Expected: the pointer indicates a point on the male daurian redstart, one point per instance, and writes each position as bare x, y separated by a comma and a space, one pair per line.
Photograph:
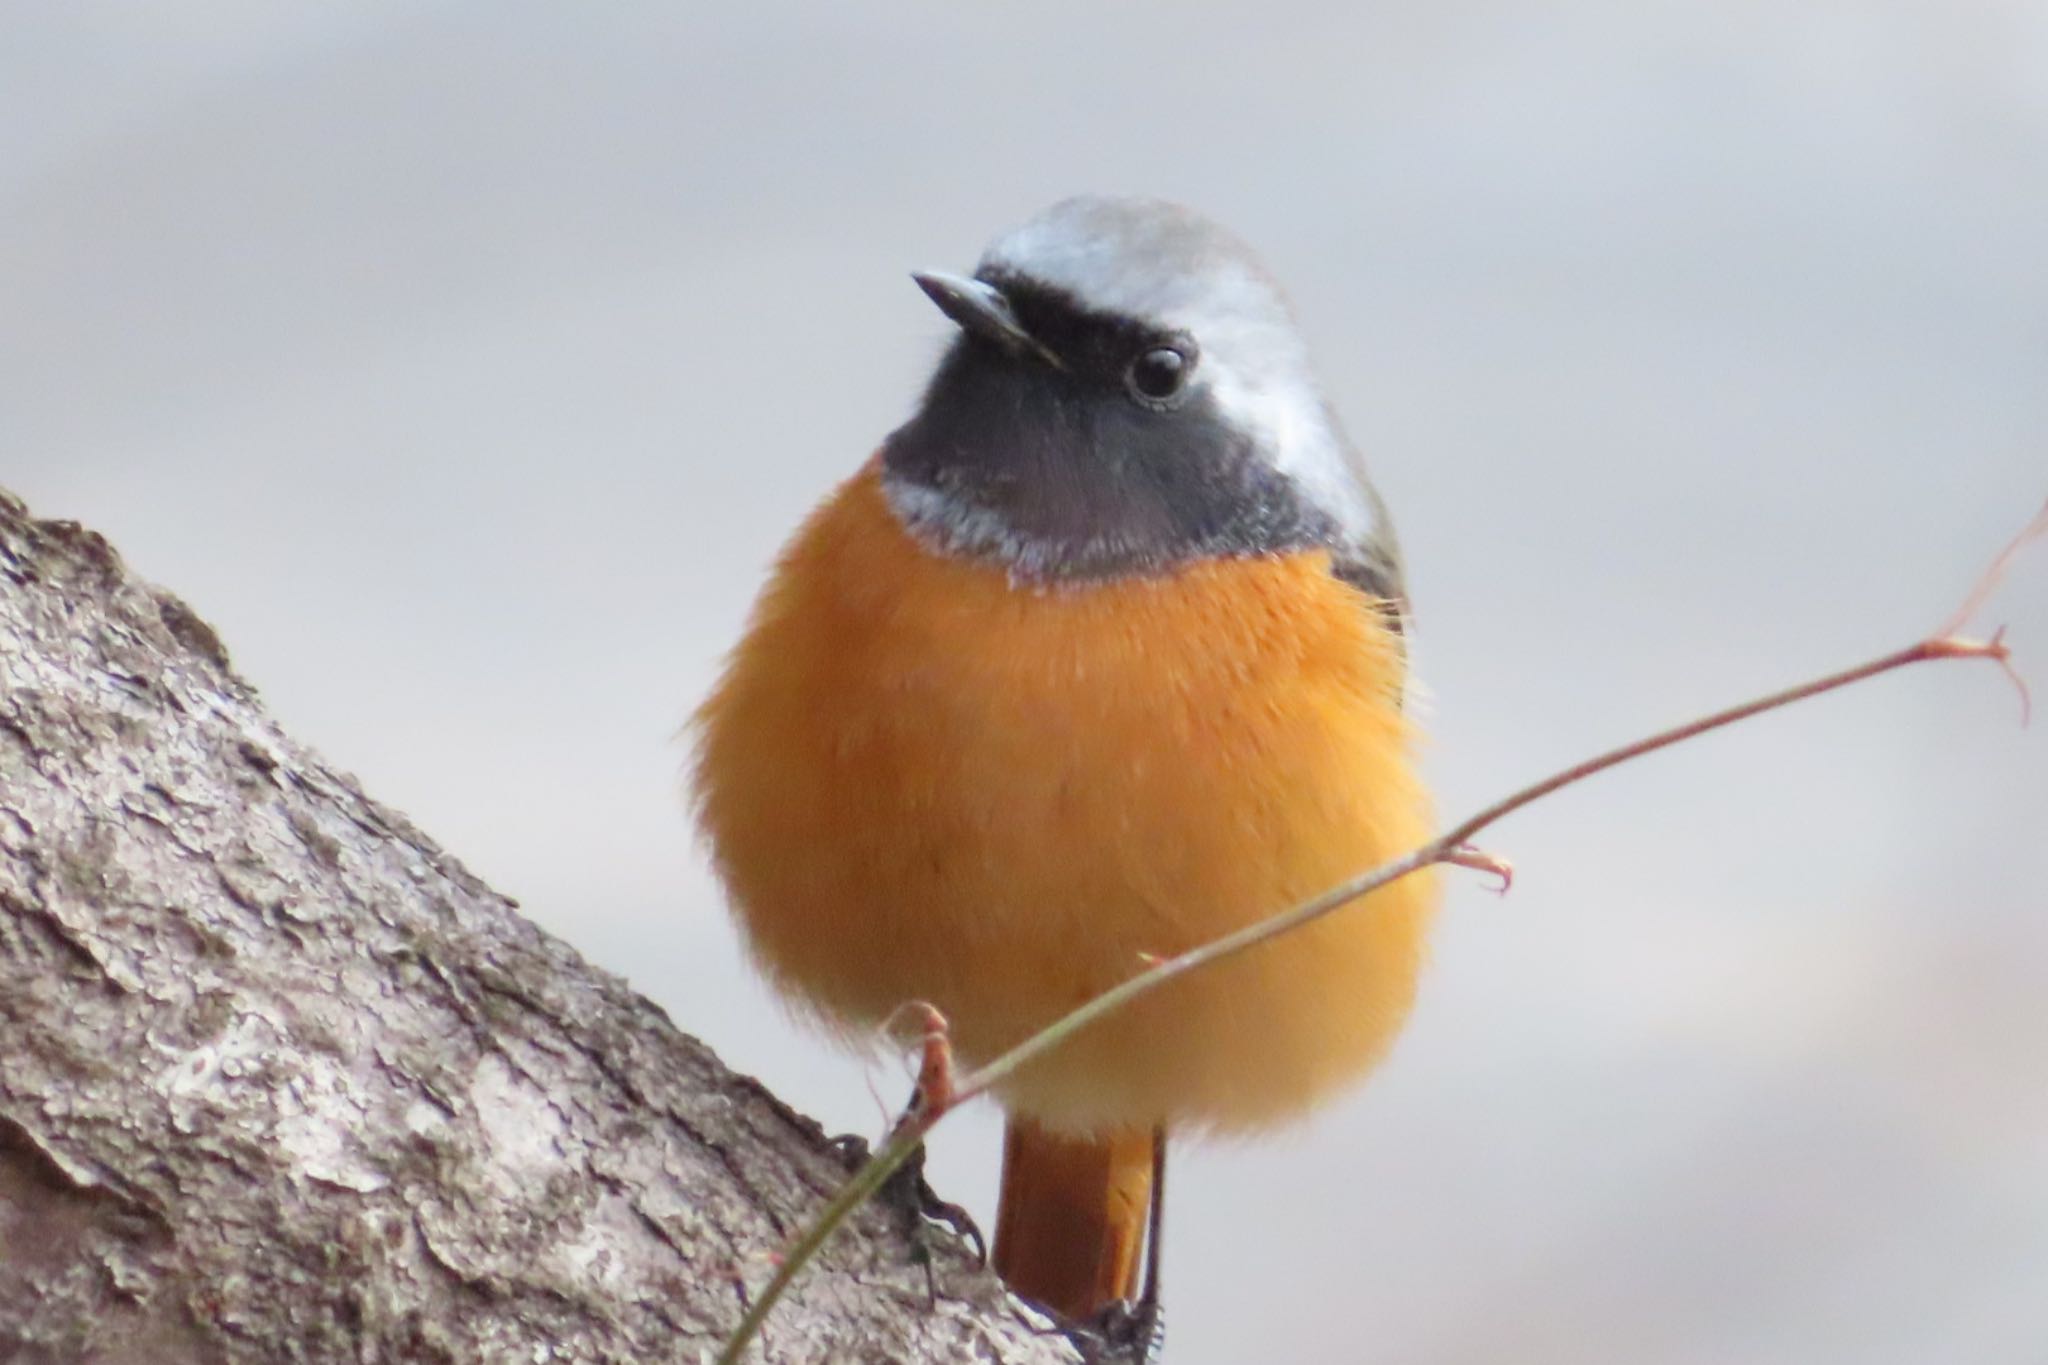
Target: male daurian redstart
1098, 658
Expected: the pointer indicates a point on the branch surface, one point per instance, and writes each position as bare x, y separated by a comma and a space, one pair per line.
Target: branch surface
281, 1081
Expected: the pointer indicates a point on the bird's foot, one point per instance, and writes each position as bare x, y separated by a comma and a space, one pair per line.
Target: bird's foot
1124, 1333
908, 1192
917, 1206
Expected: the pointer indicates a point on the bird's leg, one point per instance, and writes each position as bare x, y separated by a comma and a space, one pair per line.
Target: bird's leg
917, 1205
906, 1190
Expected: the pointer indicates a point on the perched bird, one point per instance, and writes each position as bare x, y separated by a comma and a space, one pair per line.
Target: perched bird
1100, 657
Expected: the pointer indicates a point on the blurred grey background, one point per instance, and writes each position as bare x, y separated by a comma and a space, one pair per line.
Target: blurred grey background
464, 364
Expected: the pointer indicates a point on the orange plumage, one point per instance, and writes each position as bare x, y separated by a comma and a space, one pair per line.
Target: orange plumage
923, 781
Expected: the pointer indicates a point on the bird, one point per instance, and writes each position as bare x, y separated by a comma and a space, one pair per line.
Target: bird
1101, 655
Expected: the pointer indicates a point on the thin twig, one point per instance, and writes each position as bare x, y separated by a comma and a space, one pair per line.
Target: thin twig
851, 1196
1447, 847
1454, 846
935, 1094
1988, 581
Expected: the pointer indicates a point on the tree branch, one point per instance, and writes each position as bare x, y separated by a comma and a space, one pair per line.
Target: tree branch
281, 1081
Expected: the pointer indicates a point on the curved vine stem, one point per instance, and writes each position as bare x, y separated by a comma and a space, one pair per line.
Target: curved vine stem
940, 1090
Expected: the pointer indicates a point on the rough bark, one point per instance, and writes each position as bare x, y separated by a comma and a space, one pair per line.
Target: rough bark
281, 1081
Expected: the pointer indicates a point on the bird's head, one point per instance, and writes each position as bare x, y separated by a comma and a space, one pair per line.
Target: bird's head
1129, 392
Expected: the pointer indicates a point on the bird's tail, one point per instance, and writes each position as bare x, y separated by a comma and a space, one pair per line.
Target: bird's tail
1070, 1226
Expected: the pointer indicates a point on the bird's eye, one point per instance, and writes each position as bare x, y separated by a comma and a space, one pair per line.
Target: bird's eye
1158, 375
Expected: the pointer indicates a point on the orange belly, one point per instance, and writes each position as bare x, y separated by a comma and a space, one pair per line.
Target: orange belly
921, 782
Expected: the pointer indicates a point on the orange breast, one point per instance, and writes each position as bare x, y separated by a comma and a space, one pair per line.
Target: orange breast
921, 782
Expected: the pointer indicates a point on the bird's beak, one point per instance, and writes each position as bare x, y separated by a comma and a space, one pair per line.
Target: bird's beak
982, 311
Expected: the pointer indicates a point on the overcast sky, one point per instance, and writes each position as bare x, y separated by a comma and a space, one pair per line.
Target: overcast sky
465, 363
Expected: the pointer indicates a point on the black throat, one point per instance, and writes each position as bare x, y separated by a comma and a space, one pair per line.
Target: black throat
1059, 474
